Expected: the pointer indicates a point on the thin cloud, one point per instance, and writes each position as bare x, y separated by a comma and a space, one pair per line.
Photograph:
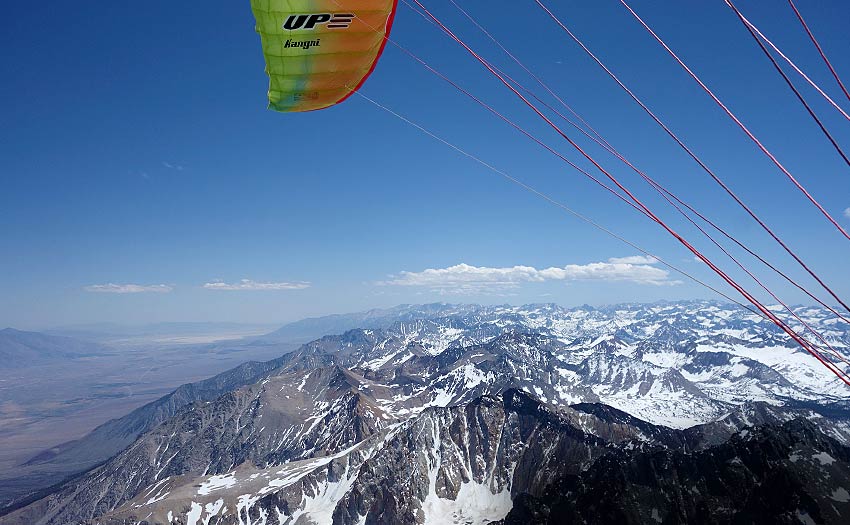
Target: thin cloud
129, 288
847, 213
249, 285
171, 166
634, 259
464, 279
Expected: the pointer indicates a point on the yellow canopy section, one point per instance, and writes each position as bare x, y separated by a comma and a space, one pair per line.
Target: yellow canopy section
319, 52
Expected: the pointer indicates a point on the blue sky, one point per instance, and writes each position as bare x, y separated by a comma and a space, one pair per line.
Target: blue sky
137, 155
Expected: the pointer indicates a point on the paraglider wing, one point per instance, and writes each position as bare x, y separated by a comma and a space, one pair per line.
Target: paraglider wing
319, 52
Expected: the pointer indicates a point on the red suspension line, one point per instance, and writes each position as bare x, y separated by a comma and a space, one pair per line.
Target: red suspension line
694, 156
801, 341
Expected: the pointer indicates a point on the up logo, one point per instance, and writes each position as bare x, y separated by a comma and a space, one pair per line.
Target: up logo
309, 22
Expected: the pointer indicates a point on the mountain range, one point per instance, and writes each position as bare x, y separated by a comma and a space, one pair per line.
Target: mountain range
474, 414
19, 348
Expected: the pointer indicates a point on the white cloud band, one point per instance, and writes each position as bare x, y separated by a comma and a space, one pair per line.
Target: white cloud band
467, 279
128, 288
249, 285
633, 259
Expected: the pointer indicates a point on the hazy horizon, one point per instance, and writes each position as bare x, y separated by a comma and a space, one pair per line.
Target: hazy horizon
201, 324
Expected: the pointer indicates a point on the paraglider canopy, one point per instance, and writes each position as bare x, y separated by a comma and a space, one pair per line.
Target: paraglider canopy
319, 52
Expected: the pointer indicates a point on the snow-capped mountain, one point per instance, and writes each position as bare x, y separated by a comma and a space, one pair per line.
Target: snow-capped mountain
450, 413
676, 364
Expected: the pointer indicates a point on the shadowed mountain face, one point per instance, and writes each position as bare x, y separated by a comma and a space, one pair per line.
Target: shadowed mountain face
789, 473
456, 417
